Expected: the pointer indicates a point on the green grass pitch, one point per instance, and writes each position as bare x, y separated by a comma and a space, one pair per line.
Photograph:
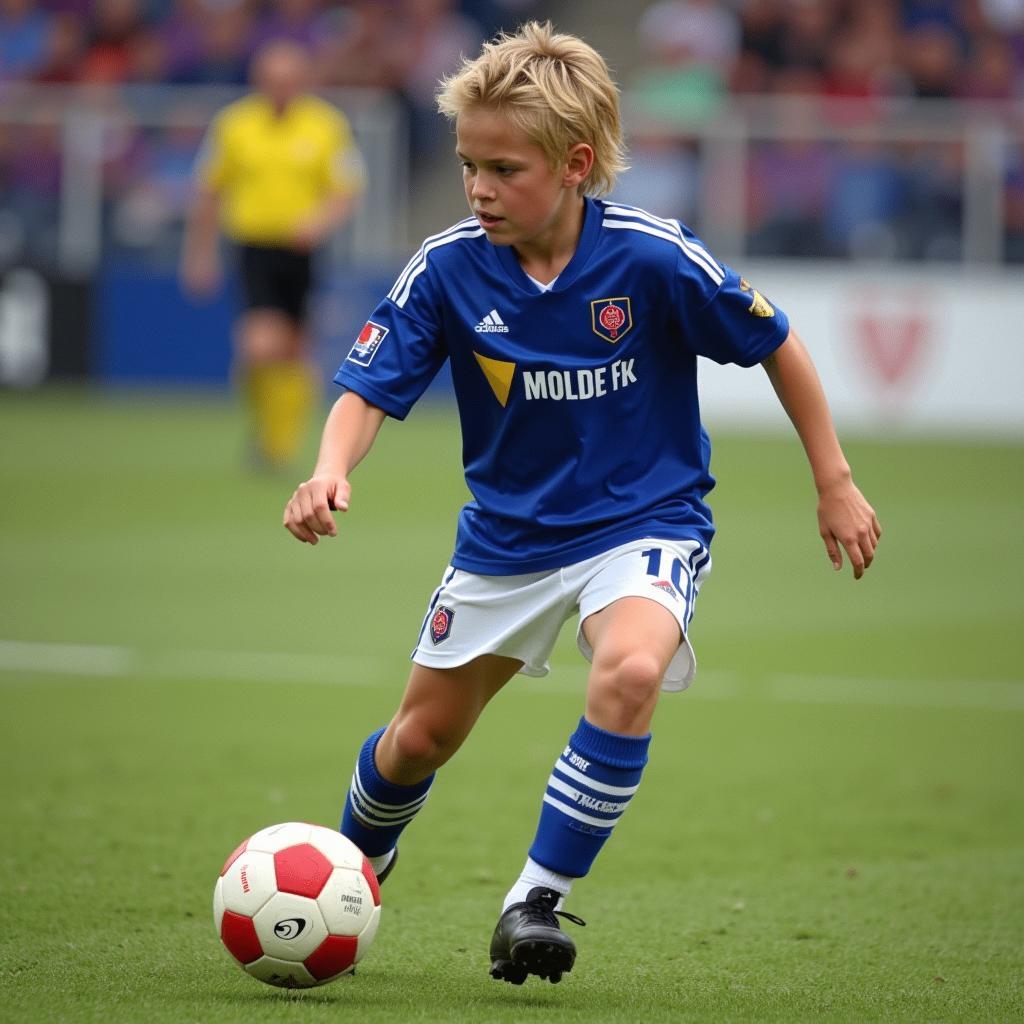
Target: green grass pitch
831, 826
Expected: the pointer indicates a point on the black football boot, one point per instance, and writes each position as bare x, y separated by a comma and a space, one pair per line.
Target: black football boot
529, 940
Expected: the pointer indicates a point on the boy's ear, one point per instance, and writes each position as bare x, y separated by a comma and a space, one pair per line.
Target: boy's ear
578, 165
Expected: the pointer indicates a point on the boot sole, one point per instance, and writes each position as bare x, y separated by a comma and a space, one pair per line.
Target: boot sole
547, 960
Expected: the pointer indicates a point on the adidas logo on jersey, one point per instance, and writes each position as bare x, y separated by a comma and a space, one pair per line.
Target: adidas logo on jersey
491, 324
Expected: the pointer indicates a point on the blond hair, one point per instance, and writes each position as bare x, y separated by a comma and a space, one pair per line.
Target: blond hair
553, 87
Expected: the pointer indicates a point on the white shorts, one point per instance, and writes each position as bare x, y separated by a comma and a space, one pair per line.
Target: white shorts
521, 616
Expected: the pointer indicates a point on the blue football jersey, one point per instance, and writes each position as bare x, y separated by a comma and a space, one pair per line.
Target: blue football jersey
580, 421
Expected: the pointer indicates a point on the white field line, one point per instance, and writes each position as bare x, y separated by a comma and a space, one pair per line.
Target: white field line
104, 661
242, 666
69, 659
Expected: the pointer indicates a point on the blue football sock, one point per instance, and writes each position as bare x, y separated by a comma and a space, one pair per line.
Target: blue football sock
588, 791
376, 810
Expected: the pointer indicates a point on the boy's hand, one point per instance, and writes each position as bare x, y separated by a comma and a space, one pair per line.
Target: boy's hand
846, 520
307, 516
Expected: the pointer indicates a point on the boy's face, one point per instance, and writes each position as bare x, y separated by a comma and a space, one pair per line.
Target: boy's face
517, 196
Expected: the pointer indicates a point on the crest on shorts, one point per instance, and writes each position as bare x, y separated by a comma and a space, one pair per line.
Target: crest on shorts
367, 343
611, 318
441, 624
666, 586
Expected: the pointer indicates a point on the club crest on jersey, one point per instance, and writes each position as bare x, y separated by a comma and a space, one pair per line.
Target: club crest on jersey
367, 343
441, 624
611, 318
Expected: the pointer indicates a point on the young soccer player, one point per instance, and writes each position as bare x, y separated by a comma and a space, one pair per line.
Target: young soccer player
572, 326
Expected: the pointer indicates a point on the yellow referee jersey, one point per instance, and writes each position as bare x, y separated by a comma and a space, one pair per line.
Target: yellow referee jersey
273, 170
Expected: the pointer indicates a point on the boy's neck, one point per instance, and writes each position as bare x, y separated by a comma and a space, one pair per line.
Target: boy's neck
546, 257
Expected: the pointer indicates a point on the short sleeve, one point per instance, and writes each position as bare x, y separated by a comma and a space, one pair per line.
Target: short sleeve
397, 353
722, 315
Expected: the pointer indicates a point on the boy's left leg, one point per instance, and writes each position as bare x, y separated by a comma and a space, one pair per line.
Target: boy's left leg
633, 639
396, 765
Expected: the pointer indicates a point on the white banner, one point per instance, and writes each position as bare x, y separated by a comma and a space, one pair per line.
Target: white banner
937, 352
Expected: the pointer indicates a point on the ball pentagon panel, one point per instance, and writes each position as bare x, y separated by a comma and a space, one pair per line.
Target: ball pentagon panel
302, 870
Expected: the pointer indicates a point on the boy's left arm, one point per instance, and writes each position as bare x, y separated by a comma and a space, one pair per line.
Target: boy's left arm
845, 519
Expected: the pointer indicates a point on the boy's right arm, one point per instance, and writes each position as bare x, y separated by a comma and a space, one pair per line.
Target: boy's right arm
349, 433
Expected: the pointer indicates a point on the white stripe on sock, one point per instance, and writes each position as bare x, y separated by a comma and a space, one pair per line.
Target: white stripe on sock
577, 797
571, 812
602, 787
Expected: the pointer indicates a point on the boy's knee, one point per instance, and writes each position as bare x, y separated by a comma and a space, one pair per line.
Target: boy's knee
623, 686
414, 744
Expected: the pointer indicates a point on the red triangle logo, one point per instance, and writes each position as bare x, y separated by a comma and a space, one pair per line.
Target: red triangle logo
893, 345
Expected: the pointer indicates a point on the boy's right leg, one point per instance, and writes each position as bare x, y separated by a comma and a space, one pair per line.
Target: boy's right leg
396, 765
633, 640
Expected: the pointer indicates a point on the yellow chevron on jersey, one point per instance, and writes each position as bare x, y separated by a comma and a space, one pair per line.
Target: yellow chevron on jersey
499, 375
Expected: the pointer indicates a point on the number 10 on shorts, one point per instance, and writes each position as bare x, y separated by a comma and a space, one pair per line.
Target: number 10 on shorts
654, 558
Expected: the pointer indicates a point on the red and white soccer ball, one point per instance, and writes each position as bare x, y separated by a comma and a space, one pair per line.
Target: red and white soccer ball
297, 905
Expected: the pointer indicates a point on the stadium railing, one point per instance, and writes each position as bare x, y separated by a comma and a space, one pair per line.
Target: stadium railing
89, 171
85, 171
908, 179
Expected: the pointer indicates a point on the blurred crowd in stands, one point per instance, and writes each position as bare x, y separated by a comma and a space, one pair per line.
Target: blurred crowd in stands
806, 194
966, 49
392, 44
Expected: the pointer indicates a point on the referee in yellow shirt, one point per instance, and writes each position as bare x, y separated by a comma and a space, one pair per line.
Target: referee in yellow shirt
278, 172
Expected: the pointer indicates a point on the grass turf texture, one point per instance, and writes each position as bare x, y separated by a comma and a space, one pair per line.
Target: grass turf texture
831, 826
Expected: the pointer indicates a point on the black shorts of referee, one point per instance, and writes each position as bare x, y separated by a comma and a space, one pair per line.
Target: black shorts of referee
276, 278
